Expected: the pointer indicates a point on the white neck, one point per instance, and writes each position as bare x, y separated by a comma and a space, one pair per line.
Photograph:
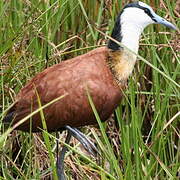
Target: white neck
124, 62
131, 35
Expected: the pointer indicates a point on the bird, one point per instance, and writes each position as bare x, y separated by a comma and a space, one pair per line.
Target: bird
102, 72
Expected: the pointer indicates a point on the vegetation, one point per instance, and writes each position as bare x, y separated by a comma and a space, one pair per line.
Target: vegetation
141, 140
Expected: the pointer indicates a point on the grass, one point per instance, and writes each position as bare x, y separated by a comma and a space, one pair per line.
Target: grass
141, 140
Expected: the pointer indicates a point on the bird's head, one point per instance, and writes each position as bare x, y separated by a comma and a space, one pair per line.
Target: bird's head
142, 15
131, 22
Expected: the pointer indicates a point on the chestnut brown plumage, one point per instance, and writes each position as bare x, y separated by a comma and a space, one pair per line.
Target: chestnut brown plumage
103, 72
89, 71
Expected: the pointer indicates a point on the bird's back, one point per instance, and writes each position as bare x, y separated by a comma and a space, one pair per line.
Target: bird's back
73, 78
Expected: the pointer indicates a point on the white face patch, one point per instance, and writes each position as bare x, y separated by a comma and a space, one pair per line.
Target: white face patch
136, 16
148, 7
133, 21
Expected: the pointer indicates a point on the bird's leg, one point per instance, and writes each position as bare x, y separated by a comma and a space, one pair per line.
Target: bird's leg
60, 158
87, 144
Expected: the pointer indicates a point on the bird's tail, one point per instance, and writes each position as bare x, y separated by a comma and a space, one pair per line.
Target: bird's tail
9, 117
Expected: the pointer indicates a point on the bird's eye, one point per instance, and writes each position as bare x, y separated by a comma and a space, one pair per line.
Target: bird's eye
146, 11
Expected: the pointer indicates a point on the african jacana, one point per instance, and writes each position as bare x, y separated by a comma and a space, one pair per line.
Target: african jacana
103, 71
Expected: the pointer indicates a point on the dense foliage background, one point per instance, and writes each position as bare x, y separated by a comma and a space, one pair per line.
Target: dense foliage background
141, 139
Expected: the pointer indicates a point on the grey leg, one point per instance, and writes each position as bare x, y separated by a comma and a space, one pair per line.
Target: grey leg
60, 159
87, 144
